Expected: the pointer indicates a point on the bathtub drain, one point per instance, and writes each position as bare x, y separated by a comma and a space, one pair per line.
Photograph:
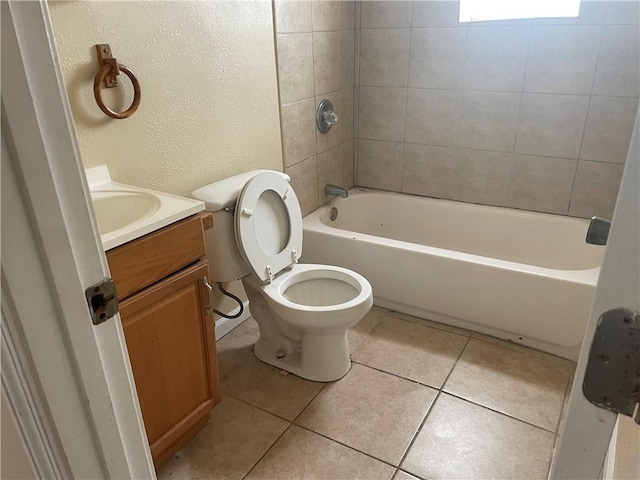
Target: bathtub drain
333, 214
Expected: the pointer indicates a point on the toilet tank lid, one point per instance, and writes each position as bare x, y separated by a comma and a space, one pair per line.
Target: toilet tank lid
224, 193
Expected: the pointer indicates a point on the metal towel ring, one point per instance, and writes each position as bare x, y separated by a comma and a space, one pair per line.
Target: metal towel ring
97, 91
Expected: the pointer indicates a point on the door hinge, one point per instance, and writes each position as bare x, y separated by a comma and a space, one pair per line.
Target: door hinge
102, 300
612, 377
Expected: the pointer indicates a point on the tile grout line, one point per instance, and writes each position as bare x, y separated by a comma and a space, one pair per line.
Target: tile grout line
266, 451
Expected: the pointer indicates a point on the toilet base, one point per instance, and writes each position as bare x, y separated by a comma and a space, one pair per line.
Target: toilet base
322, 358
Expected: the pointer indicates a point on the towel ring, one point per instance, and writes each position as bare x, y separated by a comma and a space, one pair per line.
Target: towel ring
97, 91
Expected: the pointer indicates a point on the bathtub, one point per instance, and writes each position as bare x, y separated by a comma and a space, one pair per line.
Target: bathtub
523, 276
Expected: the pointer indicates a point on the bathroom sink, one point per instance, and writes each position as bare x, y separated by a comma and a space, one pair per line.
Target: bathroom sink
125, 212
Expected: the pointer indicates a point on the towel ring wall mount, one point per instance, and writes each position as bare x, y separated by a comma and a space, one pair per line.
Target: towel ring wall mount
109, 69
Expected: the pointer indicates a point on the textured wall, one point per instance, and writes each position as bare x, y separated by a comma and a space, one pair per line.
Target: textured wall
209, 89
315, 49
531, 114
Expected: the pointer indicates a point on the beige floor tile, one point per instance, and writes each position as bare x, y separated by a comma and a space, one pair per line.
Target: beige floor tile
251, 323
371, 411
524, 386
400, 475
521, 348
300, 453
463, 440
267, 387
430, 323
235, 439
357, 333
235, 346
411, 350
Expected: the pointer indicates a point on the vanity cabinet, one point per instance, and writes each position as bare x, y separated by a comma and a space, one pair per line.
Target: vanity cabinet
169, 330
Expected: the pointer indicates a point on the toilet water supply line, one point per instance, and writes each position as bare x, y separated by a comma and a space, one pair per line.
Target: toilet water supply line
228, 294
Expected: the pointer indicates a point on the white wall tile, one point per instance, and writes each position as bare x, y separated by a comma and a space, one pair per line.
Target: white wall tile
551, 125
384, 57
496, 58
609, 128
596, 189
541, 184
292, 16
618, 72
327, 61
562, 59
488, 120
436, 13
298, 131
380, 164
480, 177
395, 14
381, 113
592, 12
626, 12
326, 15
295, 67
431, 117
436, 57
426, 170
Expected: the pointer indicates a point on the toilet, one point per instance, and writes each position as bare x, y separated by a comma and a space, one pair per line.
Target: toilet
303, 311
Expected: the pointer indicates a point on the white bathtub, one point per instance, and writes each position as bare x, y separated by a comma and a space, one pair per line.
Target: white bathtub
525, 276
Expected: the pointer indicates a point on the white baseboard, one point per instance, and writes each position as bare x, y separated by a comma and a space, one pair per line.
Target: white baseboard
225, 325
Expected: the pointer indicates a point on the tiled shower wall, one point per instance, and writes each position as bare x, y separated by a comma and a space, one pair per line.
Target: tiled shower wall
531, 114
315, 44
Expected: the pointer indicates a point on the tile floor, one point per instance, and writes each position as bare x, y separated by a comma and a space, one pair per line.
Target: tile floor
422, 400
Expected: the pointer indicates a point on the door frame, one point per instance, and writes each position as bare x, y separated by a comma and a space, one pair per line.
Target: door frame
585, 434
68, 383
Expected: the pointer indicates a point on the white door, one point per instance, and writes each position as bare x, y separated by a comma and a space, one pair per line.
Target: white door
67, 383
586, 430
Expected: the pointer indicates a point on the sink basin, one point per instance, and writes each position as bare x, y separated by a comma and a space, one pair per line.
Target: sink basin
125, 212
117, 209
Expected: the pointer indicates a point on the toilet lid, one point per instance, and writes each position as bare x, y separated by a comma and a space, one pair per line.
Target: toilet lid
268, 225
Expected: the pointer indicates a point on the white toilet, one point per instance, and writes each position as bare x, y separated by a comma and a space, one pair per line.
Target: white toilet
303, 311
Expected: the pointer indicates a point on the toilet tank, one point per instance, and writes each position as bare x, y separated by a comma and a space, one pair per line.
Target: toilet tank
225, 260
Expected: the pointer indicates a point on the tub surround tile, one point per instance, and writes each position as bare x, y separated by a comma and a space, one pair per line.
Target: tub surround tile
412, 351
330, 170
618, 71
496, 58
436, 57
623, 13
348, 59
562, 59
382, 113
268, 388
460, 440
426, 170
347, 164
595, 189
326, 15
384, 57
300, 453
380, 164
488, 121
346, 411
431, 117
541, 183
361, 330
334, 138
233, 441
609, 127
394, 14
292, 16
348, 15
298, 131
551, 125
304, 179
347, 115
435, 13
327, 61
480, 177
295, 67
526, 387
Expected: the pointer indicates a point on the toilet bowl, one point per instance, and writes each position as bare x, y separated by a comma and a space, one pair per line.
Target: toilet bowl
303, 311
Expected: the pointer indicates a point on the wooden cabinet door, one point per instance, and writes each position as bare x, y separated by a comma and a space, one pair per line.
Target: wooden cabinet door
171, 342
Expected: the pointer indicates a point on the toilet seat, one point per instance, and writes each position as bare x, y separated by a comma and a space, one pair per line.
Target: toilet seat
268, 223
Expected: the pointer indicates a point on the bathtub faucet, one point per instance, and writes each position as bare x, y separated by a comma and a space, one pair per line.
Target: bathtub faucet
335, 190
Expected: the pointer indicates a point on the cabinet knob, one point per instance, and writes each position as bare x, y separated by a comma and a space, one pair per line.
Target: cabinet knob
205, 282
207, 310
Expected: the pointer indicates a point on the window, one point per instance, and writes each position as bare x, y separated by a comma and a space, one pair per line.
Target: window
483, 10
